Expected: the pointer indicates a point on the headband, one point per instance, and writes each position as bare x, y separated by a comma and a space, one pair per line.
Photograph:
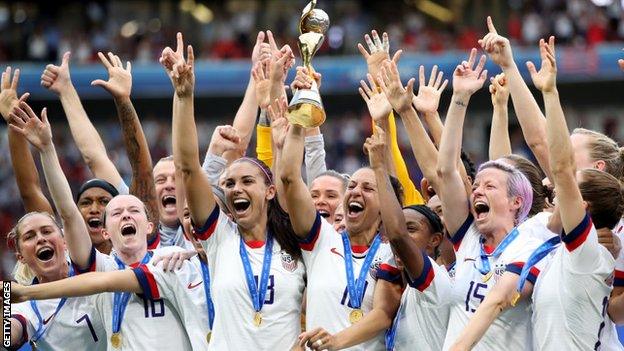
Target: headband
97, 183
432, 217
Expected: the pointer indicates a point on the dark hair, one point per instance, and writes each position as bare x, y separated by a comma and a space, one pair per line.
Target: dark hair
343, 178
469, 165
535, 176
278, 221
435, 223
604, 196
397, 187
97, 183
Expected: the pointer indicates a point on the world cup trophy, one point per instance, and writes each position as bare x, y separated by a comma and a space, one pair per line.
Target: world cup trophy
306, 107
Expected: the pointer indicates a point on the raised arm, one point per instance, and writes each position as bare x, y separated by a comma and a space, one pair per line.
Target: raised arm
281, 61
197, 186
500, 145
467, 79
562, 164
392, 216
26, 174
529, 115
86, 137
428, 100
119, 85
401, 99
279, 128
39, 134
86, 284
298, 199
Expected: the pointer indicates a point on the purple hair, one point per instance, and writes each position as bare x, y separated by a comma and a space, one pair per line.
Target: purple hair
517, 185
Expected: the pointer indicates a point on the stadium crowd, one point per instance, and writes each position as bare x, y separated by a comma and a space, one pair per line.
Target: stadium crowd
39, 31
312, 238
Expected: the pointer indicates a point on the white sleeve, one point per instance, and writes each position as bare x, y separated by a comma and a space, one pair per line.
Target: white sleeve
214, 166
123, 188
26, 317
211, 233
582, 250
317, 239
314, 157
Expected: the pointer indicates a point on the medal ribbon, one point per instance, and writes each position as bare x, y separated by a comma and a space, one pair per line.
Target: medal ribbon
33, 304
206, 275
485, 262
535, 257
120, 300
356, 288
391, 332
257, 297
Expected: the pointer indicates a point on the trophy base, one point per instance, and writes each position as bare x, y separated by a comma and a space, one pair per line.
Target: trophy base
306, 108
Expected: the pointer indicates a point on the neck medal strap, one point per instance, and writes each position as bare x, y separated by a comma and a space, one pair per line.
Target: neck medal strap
210, 305
41, 329
120, 302
356, 288
535, 257
485, 269
257, 293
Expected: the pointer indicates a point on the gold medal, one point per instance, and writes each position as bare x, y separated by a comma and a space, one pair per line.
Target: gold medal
355, 316
116, 340
515, 299
257, 319
487, 277
208, 336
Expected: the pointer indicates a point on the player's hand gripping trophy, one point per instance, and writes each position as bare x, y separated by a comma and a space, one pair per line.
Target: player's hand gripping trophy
306, 108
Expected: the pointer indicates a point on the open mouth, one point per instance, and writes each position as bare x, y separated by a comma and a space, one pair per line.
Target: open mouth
241, 205
355, 208
128, 229
169, 200
481, 209
323, 213
45, 254
94, 223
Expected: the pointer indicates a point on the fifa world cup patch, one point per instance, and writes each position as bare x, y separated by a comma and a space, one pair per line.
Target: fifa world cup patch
288, 262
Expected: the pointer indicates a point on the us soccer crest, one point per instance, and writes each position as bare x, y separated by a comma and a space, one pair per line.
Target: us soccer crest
288, 262
372, 271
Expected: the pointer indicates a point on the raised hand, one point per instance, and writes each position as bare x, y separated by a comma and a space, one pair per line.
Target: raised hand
179, 70
224, 138
56, 78
499, 90
119, 83
36, 131
390, 82
303, 80
375, 147
467, 78
497, 46
279, 123
428, 98
260, 74
261, 51
378, 52
8, 93
281, 62
378, 105
621, 64
546, 79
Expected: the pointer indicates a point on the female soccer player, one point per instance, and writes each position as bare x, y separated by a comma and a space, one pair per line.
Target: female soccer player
338, 299
39, 244
483, 227
415, 234
254, 261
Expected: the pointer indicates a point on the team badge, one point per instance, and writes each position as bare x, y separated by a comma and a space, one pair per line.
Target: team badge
288, 262
372, 271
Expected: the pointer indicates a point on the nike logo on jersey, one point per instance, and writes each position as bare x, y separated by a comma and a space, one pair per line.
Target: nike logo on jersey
193, 286
49, 318
334, 251
469, 259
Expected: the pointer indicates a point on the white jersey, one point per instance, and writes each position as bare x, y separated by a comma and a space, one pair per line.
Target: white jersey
234, 327
75, 327
536, 227
166, 237
184, 289
425, 307
571, 296
328, 304
609, 340
511, 330
148, 324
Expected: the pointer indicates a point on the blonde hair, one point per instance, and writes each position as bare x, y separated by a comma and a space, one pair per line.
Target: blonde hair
23, 274
603, 148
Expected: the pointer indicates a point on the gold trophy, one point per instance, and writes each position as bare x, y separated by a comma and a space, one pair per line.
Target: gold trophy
306, 107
